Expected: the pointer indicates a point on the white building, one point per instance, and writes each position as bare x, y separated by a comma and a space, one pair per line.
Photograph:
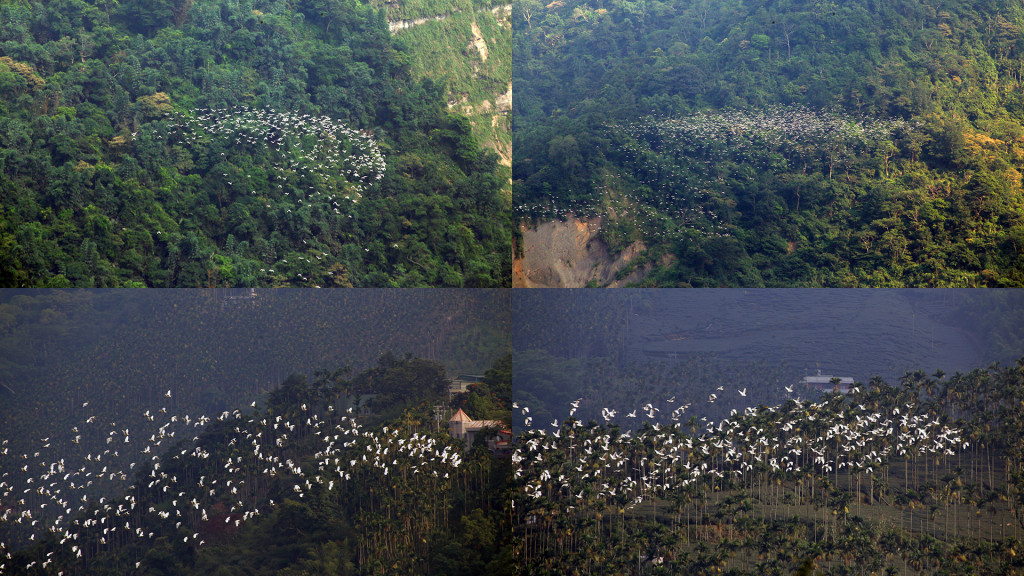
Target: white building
824, 383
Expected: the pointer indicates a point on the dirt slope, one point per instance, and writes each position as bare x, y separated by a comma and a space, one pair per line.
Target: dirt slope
570, 255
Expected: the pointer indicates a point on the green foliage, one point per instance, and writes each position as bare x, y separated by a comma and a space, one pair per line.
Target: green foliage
675, 498
95, 193
412, 9
468, 50
489, 400
934, 203
396, 383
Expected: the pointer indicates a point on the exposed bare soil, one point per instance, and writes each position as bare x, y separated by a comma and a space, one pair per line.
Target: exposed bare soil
569, 254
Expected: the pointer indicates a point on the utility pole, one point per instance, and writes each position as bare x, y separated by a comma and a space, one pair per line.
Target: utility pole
440, 411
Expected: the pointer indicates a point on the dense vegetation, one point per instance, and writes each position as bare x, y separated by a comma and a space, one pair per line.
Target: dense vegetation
579, 361
301, 485
754, 143
346, 473
470, 52
922, 478
414, 9
100, 187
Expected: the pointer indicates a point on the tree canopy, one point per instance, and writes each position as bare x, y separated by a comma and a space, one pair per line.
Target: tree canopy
754, 143
186, 144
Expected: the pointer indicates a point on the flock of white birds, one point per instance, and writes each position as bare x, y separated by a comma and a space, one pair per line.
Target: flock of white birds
574, 464
307, 146
750, 135
569, 463
54, 496
684, 186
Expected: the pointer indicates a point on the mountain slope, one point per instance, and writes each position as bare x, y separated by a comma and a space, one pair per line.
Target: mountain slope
467, 47
749, 143
215, 143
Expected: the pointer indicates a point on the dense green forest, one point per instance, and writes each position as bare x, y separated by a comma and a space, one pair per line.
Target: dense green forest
235, 143
796, 143
312, 481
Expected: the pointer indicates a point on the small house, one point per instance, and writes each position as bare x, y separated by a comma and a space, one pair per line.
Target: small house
461, 383
464, 428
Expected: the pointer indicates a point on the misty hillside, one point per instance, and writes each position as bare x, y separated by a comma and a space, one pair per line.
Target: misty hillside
919, 476
218, 349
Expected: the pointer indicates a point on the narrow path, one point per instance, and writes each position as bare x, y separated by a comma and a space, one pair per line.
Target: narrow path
398, 25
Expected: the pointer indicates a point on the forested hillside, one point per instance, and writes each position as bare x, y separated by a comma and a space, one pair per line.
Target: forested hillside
218, 349
753, 143
235, 143
629, 347
467, 47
